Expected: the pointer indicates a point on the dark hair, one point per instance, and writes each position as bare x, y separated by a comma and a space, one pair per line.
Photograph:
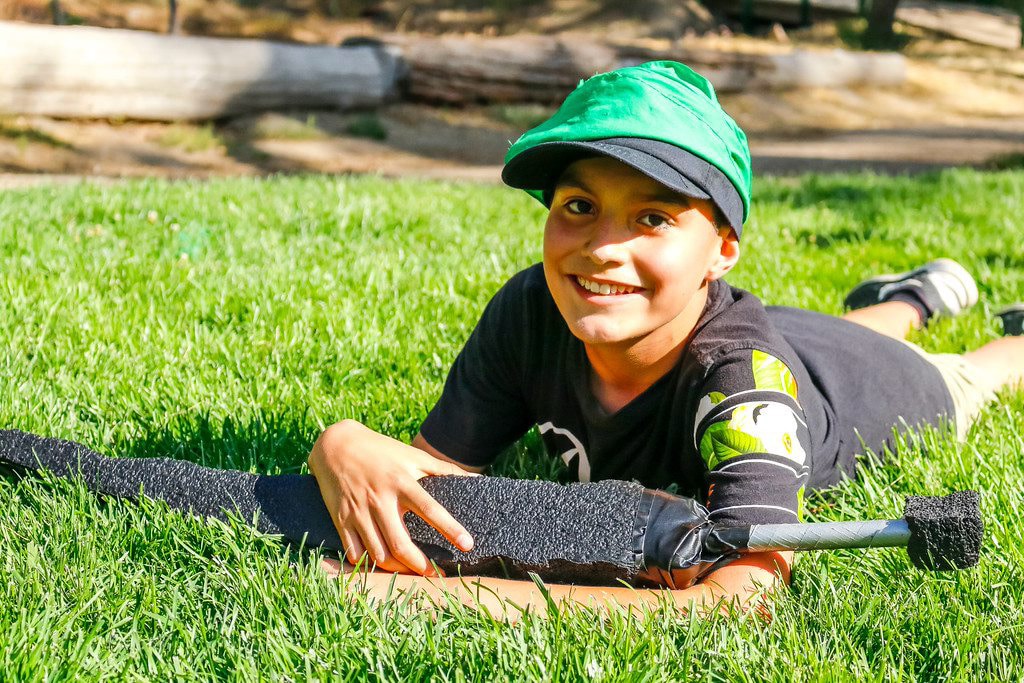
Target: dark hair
718, 218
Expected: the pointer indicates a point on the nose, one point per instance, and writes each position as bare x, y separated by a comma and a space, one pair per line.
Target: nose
607, 242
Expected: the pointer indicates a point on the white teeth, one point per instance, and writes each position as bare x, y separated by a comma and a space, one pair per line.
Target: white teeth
604, 288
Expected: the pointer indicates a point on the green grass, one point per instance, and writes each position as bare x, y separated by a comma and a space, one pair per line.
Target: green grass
23, 134
228, 322
190, 137
282, 127
521, 116
367, 126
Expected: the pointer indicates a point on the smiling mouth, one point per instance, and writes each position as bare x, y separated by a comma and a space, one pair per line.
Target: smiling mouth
603, 288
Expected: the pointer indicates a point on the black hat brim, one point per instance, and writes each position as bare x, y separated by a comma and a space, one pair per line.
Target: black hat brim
539, 168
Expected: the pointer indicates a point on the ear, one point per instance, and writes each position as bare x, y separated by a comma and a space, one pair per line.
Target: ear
727, 256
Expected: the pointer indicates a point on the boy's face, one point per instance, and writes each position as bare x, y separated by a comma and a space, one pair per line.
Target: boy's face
647, 250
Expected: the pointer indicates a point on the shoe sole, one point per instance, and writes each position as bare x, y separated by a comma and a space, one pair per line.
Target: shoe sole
866, 293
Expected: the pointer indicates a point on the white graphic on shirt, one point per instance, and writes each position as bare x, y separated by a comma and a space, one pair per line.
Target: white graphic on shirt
576, 450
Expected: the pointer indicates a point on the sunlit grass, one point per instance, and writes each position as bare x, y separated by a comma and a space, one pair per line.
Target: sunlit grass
190, 137
228, 322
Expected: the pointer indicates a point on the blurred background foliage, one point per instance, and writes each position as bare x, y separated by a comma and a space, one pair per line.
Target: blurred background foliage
331, 21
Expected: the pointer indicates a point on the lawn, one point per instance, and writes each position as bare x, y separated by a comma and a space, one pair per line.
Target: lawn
228, 322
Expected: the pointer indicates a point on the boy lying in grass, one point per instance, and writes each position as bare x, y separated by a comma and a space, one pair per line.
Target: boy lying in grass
635, 360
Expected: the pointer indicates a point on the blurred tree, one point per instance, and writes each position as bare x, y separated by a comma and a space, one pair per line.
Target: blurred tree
330, 8
172, 16
879, 33
57, 12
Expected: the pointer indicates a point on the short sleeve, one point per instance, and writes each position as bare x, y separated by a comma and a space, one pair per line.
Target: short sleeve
482, 409
752, 436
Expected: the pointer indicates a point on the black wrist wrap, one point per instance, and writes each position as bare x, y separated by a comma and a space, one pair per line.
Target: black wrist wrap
676, 531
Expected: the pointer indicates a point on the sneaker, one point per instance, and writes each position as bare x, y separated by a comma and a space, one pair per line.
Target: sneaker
943, 285
1013, 319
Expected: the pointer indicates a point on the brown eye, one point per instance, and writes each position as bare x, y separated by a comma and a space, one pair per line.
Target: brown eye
579, 206
653, 220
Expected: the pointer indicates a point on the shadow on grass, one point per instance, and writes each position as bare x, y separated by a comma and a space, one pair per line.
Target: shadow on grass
1006, 162
826, 240
269, 443
27, 135
1001, 259
280, 444
899, 164
276, 443
527, 459
821, 190
264, 443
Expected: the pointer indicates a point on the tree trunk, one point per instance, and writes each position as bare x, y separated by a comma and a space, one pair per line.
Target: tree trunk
172, 16
56, 12
95, 73
88, 72
460, 70
879, 34
993, 26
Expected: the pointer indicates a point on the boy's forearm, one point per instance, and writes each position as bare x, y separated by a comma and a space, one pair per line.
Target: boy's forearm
504, 598
509, 599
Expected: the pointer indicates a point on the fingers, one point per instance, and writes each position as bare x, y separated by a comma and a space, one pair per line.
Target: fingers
376, 547
386, 550
402, 546
383, 534
353, 545
434, 514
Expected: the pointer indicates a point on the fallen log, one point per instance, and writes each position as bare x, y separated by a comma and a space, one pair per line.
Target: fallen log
992, 26
983, 25
78, 72
82, 72
460, 70
789, 12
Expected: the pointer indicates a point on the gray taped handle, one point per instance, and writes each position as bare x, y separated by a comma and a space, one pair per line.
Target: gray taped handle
882, 533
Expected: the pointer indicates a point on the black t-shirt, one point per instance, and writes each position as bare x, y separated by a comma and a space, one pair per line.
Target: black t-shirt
762, 404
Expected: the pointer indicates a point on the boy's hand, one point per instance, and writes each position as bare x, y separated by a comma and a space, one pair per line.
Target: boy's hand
368, 482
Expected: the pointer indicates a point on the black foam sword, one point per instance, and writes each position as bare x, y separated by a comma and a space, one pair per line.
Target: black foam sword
598, 533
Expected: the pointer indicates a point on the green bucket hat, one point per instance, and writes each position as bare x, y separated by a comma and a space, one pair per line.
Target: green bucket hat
662, 118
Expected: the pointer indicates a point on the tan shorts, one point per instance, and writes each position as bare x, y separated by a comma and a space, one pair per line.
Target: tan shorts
970, 387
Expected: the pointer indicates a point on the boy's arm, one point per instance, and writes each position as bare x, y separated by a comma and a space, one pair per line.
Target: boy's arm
421, 443
754, 439
745, 583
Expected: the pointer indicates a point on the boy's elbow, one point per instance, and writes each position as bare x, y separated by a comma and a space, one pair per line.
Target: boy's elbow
751, 582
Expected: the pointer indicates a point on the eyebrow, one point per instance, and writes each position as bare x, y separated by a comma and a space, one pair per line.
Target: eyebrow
570, 179
666, 196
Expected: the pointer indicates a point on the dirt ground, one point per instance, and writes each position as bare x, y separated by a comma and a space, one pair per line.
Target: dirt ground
961, 105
